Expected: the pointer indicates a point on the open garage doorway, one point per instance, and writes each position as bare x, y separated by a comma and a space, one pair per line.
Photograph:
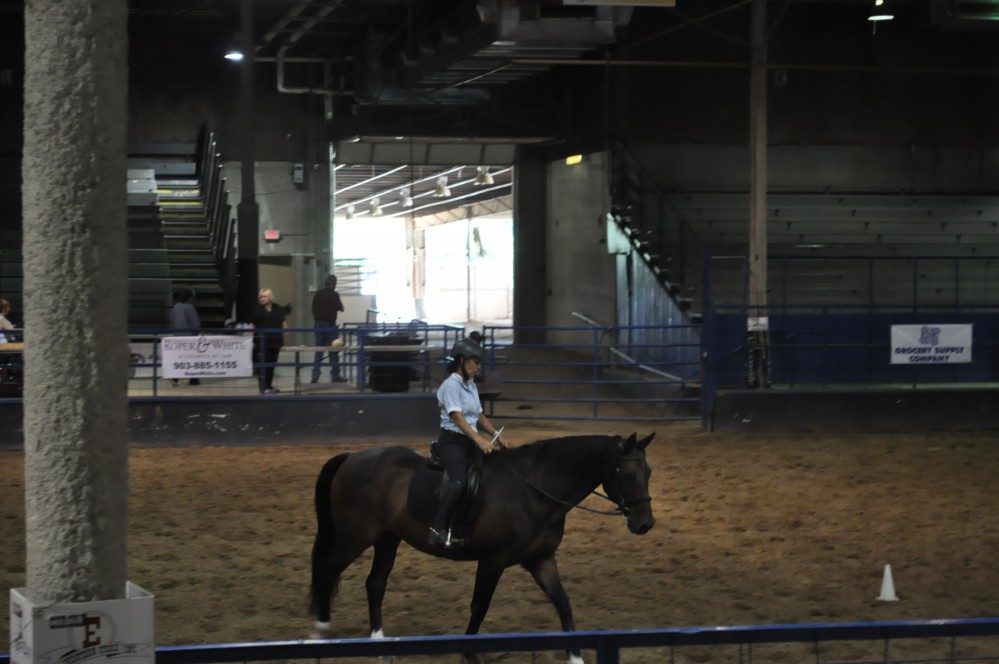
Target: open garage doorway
468, 270
424, 226
456, 272
426, 242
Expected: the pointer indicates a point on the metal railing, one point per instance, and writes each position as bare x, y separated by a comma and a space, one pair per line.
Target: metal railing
375, 357
895, 642
587, 372
221, 226
605, 372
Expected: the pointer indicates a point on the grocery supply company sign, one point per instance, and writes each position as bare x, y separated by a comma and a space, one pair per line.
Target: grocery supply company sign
931, 344
207, 356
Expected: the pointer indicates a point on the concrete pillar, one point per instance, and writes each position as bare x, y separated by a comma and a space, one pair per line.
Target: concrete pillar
530, 232
248, 212
75, 286
758, 371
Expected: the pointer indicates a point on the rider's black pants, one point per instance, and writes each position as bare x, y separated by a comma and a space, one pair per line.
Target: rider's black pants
453, 449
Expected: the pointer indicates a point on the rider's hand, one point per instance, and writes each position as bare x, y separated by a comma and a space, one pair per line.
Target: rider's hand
483, 444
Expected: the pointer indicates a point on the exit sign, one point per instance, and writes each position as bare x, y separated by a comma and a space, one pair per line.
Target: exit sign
272, 235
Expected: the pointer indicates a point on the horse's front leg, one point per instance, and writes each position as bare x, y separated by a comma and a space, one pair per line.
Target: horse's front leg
545, 572
487, 576
386, 547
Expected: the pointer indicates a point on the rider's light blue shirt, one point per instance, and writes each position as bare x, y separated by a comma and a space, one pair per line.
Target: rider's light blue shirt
455, 394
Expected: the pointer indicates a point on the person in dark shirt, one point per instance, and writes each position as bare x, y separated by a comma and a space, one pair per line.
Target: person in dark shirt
184, 318
269, 317
326, 304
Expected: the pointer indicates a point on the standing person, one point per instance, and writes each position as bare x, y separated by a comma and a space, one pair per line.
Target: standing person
5, 325
326, 304
184, 318
268, 316
461, 420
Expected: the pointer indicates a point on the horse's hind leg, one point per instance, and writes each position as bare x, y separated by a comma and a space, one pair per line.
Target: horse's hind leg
545, 573
327, 566
386, 547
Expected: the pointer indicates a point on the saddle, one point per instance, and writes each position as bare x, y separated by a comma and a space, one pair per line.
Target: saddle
425, 485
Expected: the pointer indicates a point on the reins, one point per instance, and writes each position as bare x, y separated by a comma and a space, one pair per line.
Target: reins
621, 507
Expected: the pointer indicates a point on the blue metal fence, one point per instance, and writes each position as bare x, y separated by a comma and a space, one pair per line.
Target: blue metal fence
742, 643
607, 372
830, 319
819, 349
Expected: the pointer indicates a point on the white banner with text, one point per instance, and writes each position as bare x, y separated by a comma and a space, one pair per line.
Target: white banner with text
228, 356
931, 344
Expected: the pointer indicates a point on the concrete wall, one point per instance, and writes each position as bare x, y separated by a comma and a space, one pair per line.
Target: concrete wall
260, 421
581, 274
296, 265
872, 411
299, 211
920, 167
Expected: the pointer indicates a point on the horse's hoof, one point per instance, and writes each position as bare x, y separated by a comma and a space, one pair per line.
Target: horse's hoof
575, 659
320, 630
469, 659
384, 659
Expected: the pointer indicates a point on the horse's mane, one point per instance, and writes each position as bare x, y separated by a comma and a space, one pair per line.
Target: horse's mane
565, 451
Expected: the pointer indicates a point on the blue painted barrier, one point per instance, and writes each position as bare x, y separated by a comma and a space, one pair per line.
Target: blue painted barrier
607, 644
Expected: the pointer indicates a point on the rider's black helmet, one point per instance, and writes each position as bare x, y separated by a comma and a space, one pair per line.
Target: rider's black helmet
467, 348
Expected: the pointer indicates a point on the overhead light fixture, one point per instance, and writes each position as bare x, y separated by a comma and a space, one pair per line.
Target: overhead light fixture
574, 159
441, 190
483, 176
350, 211
375, 207
234, 48
880, 12
405, 198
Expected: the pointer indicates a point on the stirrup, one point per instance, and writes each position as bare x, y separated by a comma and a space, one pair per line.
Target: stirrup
438, 537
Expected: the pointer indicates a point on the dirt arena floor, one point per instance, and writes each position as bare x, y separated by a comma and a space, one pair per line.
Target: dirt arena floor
751, 530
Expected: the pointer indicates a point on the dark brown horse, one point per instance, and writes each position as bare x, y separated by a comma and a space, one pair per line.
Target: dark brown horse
523, 498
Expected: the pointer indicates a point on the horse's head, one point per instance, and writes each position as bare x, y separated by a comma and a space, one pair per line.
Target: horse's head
628, 485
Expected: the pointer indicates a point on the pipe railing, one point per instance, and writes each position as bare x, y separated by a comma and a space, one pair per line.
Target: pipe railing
747, 643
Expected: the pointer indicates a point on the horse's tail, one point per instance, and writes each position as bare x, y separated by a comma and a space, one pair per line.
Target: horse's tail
324, 585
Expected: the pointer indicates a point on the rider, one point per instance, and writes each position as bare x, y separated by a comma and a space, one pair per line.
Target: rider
461, 420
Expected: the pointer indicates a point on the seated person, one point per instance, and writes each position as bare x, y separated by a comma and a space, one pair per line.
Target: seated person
6, 327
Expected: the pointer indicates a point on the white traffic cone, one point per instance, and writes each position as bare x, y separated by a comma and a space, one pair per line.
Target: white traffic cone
888, 587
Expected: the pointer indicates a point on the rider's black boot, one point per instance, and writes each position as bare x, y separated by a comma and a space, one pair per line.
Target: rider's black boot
450, 494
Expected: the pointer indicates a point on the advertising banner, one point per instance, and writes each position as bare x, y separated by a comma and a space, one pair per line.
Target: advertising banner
931, 344
224, 356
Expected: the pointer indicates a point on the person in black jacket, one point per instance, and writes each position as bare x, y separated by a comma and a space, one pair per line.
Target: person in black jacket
326, 304
270, 318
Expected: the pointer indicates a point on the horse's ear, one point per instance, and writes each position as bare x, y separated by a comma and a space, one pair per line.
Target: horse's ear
644, 442
630, 442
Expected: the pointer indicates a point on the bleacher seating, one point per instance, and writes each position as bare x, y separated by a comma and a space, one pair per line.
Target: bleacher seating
180, 253
170, 243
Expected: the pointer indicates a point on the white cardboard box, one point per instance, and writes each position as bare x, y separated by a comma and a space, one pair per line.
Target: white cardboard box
121, 630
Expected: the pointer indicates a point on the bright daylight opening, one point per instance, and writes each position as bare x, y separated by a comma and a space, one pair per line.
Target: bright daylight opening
464, 275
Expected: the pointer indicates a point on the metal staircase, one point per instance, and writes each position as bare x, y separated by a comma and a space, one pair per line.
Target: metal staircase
184, 191
642, 227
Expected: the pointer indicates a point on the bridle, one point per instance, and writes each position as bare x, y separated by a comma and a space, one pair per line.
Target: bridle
622, 505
